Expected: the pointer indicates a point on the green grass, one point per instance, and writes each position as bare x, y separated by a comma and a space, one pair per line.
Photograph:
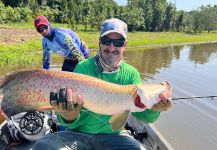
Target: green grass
20, 54
28, 25
24, 53
149, 38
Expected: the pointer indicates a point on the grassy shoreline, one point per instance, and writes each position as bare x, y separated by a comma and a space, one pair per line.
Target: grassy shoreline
18, 47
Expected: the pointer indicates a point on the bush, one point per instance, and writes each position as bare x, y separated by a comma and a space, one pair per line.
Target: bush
25, 14
2, 12
18, 14
48, 12
11, 15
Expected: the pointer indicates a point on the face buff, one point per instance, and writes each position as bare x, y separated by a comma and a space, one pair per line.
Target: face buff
103, 67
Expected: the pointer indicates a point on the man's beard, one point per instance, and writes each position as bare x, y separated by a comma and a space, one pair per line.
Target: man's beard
107, 63
110, 59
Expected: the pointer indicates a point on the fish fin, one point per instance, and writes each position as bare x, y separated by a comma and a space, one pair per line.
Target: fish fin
118, 120
45, 108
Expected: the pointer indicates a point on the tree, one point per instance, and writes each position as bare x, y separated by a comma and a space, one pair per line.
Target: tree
85, 13
12, 3
209, 15
134, 15
158, 7
148, 14
179, 21
197, 22
33, 5
169, 17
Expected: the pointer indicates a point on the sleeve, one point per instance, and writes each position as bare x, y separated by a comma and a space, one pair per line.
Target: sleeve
46, 56
74, 51
82, 45
84, 49
148, 115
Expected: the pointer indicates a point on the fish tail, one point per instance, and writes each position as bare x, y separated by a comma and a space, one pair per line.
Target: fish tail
3, 81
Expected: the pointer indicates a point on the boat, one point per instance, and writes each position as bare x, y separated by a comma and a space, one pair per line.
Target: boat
146, 134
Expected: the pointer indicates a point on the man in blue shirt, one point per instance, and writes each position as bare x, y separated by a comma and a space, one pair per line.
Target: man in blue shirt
61, 41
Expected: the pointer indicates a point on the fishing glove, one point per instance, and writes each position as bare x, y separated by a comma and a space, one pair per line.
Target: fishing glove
62, 104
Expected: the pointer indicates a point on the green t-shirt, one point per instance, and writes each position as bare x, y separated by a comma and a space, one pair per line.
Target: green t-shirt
93, 123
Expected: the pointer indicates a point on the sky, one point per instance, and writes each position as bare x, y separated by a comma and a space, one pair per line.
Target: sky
186, 5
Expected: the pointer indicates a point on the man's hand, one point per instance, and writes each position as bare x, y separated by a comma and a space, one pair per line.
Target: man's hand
67, 103
165, 100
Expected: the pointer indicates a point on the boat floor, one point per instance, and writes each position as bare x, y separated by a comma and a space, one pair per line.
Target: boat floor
153, 140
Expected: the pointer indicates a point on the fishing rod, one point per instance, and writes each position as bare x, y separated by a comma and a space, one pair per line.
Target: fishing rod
194, 97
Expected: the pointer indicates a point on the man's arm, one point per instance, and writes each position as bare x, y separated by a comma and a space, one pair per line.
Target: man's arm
82, 45
74, 51
84, 49
46, 56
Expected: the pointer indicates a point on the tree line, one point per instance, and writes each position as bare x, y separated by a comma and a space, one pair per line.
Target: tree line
140, 15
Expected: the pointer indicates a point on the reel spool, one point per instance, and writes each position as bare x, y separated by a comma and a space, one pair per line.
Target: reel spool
31, 123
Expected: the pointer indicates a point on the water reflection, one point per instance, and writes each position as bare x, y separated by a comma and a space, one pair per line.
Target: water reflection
203, 53
150, 61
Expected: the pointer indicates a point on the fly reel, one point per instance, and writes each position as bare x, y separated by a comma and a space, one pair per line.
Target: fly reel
31, 123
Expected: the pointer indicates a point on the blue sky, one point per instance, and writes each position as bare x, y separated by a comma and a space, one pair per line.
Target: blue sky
186, 5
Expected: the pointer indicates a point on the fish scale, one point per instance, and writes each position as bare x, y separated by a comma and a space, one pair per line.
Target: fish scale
30, 89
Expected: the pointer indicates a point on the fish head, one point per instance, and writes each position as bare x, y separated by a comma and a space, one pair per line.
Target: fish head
149, 95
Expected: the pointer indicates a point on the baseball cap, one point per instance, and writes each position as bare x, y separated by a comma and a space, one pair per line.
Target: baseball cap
40, 20
113, 25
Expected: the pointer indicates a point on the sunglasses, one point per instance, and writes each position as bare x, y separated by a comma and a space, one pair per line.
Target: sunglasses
116, 42
42, 28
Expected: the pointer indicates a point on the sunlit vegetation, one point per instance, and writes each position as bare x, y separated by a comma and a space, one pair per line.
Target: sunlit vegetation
151, 23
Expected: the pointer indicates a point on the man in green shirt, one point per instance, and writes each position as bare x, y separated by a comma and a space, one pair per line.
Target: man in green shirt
89, 130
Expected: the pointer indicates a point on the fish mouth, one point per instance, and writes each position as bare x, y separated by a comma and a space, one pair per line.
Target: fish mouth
138, 102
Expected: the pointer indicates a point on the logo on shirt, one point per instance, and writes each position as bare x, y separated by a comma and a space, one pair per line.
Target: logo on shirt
61, 52
72, 47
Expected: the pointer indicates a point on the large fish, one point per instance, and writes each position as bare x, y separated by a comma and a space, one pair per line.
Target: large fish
30, 89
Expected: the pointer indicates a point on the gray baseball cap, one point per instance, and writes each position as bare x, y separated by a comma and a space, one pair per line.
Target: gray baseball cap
113, 25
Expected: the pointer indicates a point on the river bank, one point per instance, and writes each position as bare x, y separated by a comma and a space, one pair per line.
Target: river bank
21, 45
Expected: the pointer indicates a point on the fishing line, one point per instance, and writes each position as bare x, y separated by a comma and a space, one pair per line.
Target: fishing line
147, 147
149, 76
176, 100
194, 97
95, 116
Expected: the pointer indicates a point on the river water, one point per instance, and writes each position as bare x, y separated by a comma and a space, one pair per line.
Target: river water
190, 124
